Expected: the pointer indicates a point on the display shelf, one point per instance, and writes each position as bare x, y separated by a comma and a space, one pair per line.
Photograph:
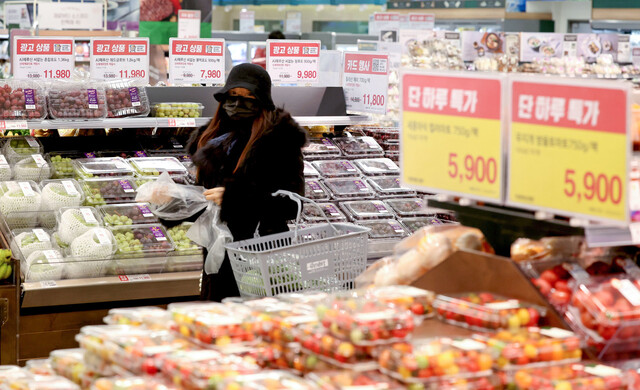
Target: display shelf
347, 120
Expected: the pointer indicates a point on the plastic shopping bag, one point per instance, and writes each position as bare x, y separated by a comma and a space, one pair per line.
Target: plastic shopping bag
172, 201
208, 231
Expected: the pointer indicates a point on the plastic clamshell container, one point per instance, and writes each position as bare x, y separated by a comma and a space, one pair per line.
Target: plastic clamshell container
367, 209
434, 360
126, 98
106, 190
121, 153
17, 148
43, 265
355, 317
384, 229
382, 133
179, 179
68, 363
150, 316
309, 170
279, 319
204, 369
322, 212
268, 380
377, 166
33, 167
39, 382
150, 166
58, 193
22, 100
349, 380
142, 239
131, 383
127, 214
177, 110
419, 301
6, 173
102, 167
213, 323
359, 146
321, 148
408, 207
290, 357
349, 188
24, 242
10, 374
487, 311
572, 376
315, 190
416, 223
40, 367
76, 101
62, 163
335, 168
19, 203
183, 244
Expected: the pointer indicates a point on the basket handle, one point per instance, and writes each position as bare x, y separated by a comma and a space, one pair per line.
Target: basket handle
299, 199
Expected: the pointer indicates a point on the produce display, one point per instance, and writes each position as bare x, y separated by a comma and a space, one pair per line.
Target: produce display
18, 148
349, 188
367, 209
22, 100
19, 202
76, 101
153, 166
43, 265
384, 229
125, 99
377, 166
335, 168
75, 221
108, 191
141, 239
102, 167
359, 147
322, 212
127, 214
177, 110
409, 207
320, 148
315, 190
34, 167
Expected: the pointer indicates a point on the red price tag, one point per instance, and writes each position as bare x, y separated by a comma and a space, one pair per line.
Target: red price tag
196, 61
365, 79
120, 58
38, 58
293, 61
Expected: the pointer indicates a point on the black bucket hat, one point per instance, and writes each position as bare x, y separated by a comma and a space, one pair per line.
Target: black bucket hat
252, 77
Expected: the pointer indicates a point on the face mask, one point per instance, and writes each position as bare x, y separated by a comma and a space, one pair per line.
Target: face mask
238, 107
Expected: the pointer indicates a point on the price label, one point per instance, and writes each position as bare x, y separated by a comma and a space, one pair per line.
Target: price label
52, 256
181, 122
120, 58
26, 188
188, 24
38, 58
293, 61
134, 278
365, 79
88, 216
41, 235
70, 188
102, 236
13, 125
39, 160
48, 283
569, 147
451, 137
196, 61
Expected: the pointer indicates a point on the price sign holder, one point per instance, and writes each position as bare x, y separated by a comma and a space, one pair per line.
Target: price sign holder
120, 58
293, 61
569, 147
188, 24
41, 58
365, 80
451, 133
196, 61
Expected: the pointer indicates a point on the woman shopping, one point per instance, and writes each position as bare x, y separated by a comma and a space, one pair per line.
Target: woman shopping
249, 150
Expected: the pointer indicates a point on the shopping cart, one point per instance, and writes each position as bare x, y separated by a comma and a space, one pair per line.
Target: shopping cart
326, 257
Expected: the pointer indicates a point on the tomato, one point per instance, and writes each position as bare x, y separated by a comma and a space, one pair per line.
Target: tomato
534, 317
604, 297
543, 286
560, 297
562, 285
549, 276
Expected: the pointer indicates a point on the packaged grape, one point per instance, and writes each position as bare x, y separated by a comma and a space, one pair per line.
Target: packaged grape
26, 241
321, 212
416, 223
419, 301
43, 265
487, 311
367, 209
126, 98
571, 376
318, 340
19, 203
57, 194
75, 221
315, 190
76, 101
141, 239
40, 367
121, 153
34, 167
22, 100
43, 383
153, 166
430, 361
150, 316
102, 167
205, 369
377, 166
267, 380
177, 110
131, 383
321, 148
359, 147
62, 162
309, 170
383, 133
18, 148
127, 214
215, 324
355, 317
183, 244
346, 380
6, 173
109, 191
384, 229
69, 363
408, 207
349, 188
335, 168
390, 146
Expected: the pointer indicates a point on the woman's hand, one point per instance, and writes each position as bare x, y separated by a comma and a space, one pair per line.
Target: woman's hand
215, 195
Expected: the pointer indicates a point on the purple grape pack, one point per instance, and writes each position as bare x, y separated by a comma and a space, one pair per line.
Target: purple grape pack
126, 186
90, 155
315, 186
29, 99
380, 207
347, 165
140, 153
135, 96
144, 210
92, 98
331, 210
157, 233
360, 185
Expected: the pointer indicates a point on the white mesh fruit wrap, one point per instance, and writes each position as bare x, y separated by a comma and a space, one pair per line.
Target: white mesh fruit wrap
28, 170
18, 247
14, 201
55, 196
38, 268
5, 173
72, 225
87, 246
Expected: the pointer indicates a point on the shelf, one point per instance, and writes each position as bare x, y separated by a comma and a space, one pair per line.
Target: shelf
117, 123
331, 120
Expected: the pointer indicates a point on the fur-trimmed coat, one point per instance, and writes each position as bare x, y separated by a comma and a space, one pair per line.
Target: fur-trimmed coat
274, 162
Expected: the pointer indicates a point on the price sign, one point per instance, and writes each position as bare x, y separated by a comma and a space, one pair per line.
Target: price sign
451, 139
38, 58
68, 15
420, 21
247, 21
120, 58
365, 79
569, 147
381, 21
188, 24
196, 61
181, 122
624, 49
290, 61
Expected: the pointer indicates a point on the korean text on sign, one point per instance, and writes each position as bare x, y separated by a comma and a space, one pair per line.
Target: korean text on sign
114, 59
568, 149
293, 61
452, 134
365, 81
37, 58
196, 61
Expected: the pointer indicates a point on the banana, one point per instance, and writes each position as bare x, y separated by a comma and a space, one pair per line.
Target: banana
3, 269
7, 272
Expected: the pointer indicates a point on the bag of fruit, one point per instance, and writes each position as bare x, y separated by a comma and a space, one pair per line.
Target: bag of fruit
172, 201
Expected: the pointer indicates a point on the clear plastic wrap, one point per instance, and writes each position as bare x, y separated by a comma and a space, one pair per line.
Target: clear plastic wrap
278, 319
26, 241
547, 248
141, 240
571, 376
315, 190
345, 380
359, 147
121, 153
367, 209
127, 214
62, 163
43, 265
18, 148
40, 367
43, 383
419, 301
172, 201
322, 212
268, 380
335, 168
184, 245
109, 190
321, 148
102, 167
90, 253
22, 100
6, 173
384, 229
309, 170
177, 110
69, 363
349, 188
126, 98
291, 357
76, 101
416, 223
150, 316
408, 207
377, 166
154, 166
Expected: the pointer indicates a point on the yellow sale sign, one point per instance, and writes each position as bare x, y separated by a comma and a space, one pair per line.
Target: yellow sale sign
451, 140
569, 147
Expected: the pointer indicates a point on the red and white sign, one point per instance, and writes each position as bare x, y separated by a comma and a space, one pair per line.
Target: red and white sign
120, 58
37, 58
291, 61
365, 79
247, 21
383, 21
420, 21
188, 24
196, 61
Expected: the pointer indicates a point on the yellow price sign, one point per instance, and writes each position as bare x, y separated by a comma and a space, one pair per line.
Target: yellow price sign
451, 140
569, 147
